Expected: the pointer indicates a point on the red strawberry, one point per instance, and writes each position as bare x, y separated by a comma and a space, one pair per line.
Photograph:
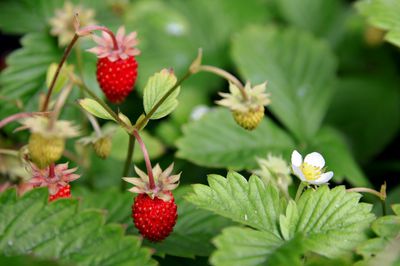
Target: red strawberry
117, 66
63, 192
155, 218
154, 211
118, 78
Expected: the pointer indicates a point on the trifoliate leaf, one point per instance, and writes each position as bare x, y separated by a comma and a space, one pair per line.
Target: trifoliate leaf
238, 246
156, 88
58, 230
95, 108
330, 143
300, 70
331, 222
383, 14
248, 202
216, 140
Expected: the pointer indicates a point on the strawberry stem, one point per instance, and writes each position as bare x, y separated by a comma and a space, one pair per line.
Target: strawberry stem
17, 116
226, 75
88, 29
131, 147
146, 158
53, 81
52, 173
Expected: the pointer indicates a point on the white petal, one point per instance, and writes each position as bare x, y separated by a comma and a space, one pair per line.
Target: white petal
298, 173
315, 159
325, 177
297, 159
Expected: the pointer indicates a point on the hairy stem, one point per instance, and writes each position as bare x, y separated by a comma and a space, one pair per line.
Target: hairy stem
17, 116
366, 190
129, 155
146, 158
226, 75
53, 81
9, 152
94, 123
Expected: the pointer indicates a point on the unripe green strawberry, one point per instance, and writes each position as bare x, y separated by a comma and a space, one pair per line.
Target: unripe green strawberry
45, 150
246, 104
47, 141
249, 120
102, 147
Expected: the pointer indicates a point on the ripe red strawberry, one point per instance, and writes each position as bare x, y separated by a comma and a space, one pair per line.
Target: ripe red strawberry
155, 218
63, 192
154, 211
117, 66
118, 78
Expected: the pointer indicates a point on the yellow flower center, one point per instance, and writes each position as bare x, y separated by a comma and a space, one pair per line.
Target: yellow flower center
310, 172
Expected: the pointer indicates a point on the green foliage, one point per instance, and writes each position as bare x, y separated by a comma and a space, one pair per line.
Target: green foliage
328, 222
300, 70
217, 141
95, 108
330, 143
364, 101
27, 261
26, 71
385, 248
382, 14
245, 247
58, 230
323, 18
156, 88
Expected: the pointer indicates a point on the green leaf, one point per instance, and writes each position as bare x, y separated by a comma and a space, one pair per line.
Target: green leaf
25, 16
364, 101
323, 18
116, 204
171, 32
332, 145
300, 70
156, 88
26, 67
58, 230
248, 247
217, 141
383, 14
193, 231
95, 108
27, 260
248, 202
332, 221
385, 248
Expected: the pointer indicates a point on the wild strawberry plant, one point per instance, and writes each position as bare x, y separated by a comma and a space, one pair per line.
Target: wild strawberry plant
199, 132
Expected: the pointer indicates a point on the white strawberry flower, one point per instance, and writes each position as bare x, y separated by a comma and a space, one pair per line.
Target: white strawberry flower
311, 170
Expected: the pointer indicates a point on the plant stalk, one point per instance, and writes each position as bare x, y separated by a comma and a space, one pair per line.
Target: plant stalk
300, 190
129, 155
226, 75
53, 81
146, 158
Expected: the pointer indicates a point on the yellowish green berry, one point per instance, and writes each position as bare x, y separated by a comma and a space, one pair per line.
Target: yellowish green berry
102, 147
249, 120
45, 150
